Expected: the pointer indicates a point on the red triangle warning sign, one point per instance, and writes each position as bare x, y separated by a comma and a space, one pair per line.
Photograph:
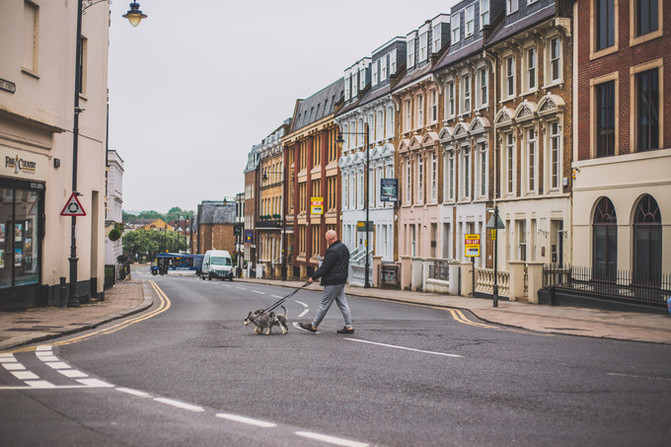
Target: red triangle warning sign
73, 207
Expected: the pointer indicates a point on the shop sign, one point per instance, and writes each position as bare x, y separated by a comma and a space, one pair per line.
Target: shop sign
389, 190
20, 165
7, 86
249, 236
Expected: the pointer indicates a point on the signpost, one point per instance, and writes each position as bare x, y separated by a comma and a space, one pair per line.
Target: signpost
495, 223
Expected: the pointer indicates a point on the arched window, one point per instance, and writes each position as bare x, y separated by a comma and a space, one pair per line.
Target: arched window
604, 243
647, 241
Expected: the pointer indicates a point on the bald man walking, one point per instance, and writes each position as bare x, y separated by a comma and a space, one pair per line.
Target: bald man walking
333, 273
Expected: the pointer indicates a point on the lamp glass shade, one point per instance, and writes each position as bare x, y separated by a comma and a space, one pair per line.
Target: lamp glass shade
134, 15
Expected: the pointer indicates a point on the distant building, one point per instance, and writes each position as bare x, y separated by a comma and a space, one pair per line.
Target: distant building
151, 224
214, 226
114, 205
250, 209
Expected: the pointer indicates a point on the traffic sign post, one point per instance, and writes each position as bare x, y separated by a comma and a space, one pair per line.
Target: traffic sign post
73, 207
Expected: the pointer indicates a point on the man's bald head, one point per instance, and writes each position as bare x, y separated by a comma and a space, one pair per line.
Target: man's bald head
331, 236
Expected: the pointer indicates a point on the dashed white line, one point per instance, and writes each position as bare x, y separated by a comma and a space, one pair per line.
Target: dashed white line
58, 365
260, 293
403, 348
276, 296
245, 420
24, 375
43, 348
133, 392
48, 358
241, 288
178, 404
301, 303
302, 314
72, 373
331, 439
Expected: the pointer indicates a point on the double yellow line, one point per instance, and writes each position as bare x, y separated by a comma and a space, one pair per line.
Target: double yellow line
461, 318
164, 304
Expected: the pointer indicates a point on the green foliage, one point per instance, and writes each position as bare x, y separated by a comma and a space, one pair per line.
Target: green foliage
175, 213
152, 242
114, 234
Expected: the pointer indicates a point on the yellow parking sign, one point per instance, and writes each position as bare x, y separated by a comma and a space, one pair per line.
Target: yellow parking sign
472, 245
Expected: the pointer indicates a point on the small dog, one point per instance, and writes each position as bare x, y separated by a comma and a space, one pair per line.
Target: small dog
264, 321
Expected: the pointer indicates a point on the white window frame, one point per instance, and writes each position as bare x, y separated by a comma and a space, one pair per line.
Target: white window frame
483, 87
465, 175
420, 111
530, 70
531, 160
449, 174
554, 146
392, 62
483, 169
509, 62
512, 6
455, 26
510, 164
408, 115
375, 73
420, 179
423, 47
436, 38
411, 53
466, 94
434, 177
384, 70
345, 194
450, 104
469, 21
379, 126
408, 181
554, 60
484, 13
434, 105
389, 127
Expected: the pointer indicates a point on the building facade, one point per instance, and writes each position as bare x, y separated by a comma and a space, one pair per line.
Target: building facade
622, 135
313, 179
367, 124
250, 208
270, 225
532, 49
417, 96
215, 222
113, 205
37, 86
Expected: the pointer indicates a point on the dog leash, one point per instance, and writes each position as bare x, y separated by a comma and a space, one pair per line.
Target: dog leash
282, 300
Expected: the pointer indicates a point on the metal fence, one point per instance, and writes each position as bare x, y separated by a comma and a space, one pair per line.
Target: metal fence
390, 277
110, 276
620, 285
440, 270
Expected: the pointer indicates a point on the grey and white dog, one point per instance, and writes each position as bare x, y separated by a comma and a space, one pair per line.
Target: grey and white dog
264, 321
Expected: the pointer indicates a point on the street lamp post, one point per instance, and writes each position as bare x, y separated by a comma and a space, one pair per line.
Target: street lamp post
134, 15
366, 135
495, 223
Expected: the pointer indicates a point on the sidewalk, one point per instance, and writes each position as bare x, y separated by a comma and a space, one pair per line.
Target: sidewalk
128, 297
44, 323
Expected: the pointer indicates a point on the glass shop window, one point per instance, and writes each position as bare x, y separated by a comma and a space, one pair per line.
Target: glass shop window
20, 210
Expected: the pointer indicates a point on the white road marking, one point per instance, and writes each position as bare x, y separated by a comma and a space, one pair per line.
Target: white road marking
301, 303
276, 296
634, 376
48, 358
9, 359
13, 366
95, 383
241, 288
260, 293
58, 365
178, 404
227, 285
403, 347
331, 439
73, 373
40, 384
302, 314
133, 392
43, 348
24, 375
244, 420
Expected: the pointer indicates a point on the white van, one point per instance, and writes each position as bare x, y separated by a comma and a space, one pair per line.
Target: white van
217, 264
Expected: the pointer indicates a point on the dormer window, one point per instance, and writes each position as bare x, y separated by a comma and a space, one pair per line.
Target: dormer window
392, 63
470, 21
362, 79
383, 72
375, 73
436, 39
512, 6
484, 13
423, 46
411, 53
456, 30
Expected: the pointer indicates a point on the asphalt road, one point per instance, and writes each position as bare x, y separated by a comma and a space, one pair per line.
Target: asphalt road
189, 373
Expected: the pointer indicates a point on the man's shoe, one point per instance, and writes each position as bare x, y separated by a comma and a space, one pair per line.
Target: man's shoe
346, 330
308, 327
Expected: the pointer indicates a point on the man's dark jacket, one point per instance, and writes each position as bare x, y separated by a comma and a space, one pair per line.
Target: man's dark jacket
333, 270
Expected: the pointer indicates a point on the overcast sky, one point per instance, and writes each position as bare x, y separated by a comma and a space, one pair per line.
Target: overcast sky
197, 83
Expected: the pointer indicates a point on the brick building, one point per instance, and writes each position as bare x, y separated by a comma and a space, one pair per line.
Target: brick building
214, 224
622, 133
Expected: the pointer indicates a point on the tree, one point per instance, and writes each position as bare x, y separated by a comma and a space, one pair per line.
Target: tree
151, 242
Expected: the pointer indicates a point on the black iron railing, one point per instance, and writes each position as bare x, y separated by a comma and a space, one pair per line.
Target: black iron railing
440, 270
619, 285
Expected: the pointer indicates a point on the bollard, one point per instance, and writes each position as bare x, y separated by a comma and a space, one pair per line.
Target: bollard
63, 290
